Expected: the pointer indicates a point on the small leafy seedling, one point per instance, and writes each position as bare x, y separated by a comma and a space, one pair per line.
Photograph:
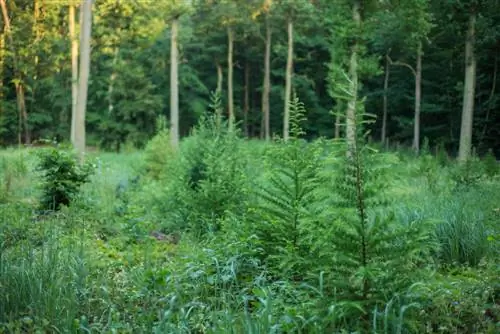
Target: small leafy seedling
62, 177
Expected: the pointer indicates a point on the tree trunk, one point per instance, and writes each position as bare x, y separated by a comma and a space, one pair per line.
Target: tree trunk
266, 88
386, 91
74, 70
418, 97
288, 83
246, 102
219, 78
353, 74
18, 80
84, 71
464, 151
230, 43
174, 86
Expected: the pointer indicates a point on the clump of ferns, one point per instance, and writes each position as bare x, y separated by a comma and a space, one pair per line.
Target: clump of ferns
367, 256
285, 197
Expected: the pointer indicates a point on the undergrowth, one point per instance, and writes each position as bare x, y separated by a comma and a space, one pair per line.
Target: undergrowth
283, 237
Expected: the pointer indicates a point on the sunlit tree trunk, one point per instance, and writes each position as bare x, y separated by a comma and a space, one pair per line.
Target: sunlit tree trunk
74, 69
464, 151
230, 102
266, 87
288, 81
353, 75
84, 71
174, 85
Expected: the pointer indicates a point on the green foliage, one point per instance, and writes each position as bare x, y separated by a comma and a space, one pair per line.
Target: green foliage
11, 167
158, 152
215, 183
62, 177
491, 166
286, 197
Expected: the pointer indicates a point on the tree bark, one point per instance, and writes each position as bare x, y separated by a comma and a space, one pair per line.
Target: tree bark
174, 86
418, 97
288, 82
353, 74
84, 71
230, 44
464, 150
266, 87
246, 102
386, 91
74, 69
219, 77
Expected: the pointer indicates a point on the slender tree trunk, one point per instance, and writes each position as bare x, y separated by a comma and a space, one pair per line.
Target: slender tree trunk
230, 44
220, 77
174, 86
266, 89
74, 69
246, 102
84, 72
353, 74
418, 97
386, 91
464, 151
288, 83
18, 82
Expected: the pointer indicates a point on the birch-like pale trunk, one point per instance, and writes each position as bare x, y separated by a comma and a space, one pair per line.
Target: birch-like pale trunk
266, 86
353, 75
464, 150
418, 99
288, 82
230, 99
74, 69
220, 78
84, 72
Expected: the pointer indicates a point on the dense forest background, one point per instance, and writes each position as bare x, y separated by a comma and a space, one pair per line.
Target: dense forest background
129, 81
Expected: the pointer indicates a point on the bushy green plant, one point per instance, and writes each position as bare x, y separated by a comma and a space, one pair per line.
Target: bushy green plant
467, 174
62, 177
207, 181
368, 255
159, 153
491, 166
285, 198
12, 166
